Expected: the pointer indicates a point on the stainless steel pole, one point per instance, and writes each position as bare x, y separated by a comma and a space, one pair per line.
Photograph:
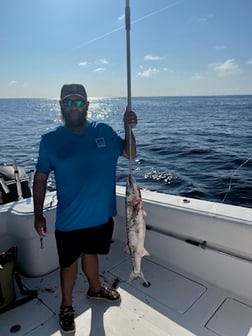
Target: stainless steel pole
129, 105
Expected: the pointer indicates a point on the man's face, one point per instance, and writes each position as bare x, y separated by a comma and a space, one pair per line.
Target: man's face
74, 112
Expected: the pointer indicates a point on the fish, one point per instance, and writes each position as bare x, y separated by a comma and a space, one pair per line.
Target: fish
136, 228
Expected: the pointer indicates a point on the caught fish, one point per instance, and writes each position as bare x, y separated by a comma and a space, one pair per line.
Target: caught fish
136, 228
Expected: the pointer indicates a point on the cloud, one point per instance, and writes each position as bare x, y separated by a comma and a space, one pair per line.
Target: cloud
121, 18
202, 18
148, 72
153, 58
227, 68
207, 18
13, 82
220, 47
103, 61
99, 69
197, 76
84, 63
249, 61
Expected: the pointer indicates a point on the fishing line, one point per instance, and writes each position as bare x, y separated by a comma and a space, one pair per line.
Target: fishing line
231, 178
157, 11
172, 4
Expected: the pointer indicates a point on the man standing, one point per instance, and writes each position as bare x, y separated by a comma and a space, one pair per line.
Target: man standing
83, 155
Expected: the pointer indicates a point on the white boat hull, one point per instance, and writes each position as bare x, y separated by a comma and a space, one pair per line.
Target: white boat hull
36, 256
200, 271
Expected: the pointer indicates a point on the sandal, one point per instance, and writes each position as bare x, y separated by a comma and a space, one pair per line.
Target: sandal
105, 294
66, 319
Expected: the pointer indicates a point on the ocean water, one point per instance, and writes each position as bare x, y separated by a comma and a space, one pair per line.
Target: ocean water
198, 147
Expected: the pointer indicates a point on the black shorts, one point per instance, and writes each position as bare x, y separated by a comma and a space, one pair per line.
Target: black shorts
94, 240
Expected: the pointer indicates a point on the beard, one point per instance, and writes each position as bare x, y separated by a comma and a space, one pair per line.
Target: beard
74, 119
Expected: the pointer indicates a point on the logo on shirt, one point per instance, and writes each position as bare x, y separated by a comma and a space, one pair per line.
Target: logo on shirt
100, 142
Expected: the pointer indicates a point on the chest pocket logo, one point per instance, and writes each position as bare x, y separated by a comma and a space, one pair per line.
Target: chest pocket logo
100, 143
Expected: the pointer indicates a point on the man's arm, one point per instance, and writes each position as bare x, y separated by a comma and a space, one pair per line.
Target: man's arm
39, 191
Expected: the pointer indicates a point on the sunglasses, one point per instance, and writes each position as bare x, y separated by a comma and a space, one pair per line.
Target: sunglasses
76, 103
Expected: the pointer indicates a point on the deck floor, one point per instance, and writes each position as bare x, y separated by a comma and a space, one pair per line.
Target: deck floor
176, 304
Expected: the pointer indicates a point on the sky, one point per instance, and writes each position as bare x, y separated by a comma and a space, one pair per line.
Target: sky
177, 47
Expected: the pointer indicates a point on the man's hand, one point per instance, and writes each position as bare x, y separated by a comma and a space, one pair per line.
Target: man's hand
40, 226
129, 119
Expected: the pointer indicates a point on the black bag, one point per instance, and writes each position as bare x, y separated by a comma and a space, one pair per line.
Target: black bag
8, 276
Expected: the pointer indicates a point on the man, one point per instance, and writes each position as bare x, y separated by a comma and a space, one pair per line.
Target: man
83, 156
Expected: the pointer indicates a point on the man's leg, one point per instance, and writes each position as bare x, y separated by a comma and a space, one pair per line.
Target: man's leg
90, 266
67, 279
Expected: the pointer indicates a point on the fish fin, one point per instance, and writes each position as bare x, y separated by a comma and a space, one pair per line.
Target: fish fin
145, 253
126, 249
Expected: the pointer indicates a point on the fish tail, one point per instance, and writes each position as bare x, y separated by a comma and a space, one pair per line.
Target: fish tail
139, 275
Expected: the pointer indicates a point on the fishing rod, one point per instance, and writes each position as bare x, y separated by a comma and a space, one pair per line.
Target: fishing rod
204, 244
18, 182
129, 103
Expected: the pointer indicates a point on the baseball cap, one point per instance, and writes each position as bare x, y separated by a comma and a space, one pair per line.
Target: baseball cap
73, 89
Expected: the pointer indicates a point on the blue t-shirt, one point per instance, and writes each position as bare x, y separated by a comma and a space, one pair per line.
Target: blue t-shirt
84, 164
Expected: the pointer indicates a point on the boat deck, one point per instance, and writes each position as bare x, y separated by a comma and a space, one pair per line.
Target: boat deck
176, 304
